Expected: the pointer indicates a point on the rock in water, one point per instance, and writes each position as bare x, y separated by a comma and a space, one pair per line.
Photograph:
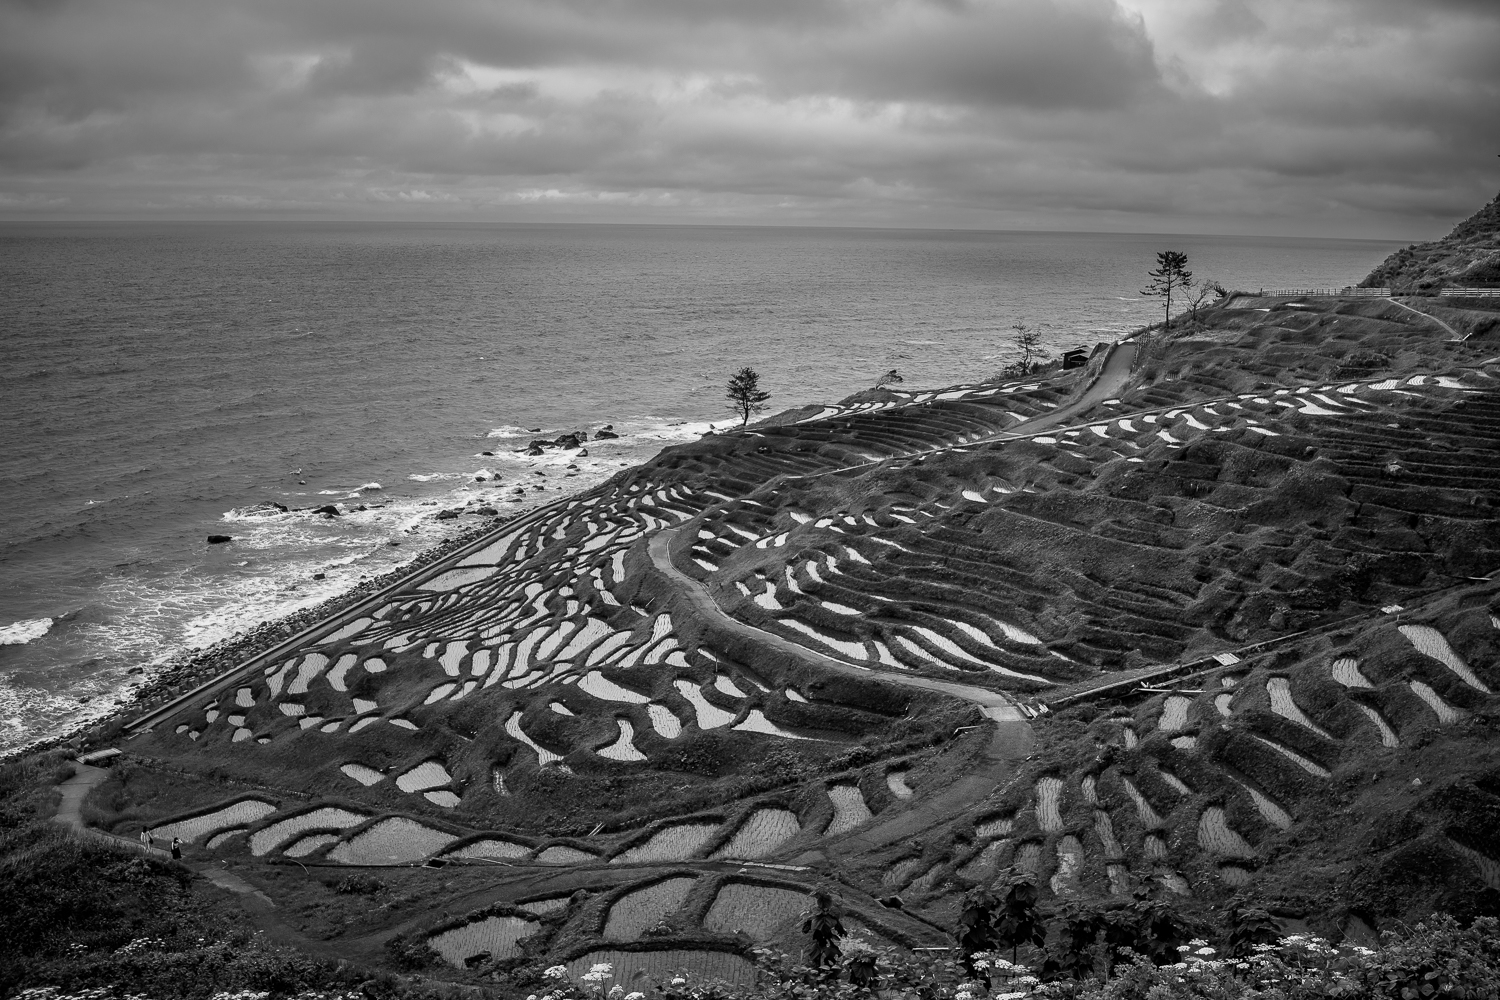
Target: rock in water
446, 515
219, 539
604, 434
330, 509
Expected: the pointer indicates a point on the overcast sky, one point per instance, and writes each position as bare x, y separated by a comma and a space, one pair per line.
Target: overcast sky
1301, 117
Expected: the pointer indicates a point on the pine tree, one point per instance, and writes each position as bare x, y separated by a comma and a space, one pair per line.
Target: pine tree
1171, 274
745, 394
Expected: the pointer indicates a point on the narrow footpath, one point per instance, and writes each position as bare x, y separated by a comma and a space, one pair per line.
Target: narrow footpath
1429, 317
70, 814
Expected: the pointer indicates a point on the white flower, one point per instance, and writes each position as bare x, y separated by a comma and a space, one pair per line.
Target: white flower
1184, 949
602, 967
963, 995
556, 972
1196, 943
635, 996
1206, 951
679, 981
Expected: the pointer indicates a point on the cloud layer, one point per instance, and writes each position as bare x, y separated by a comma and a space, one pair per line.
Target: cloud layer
1337, 117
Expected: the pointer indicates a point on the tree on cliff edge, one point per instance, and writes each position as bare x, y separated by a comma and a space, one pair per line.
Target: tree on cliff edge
1171, 275
745, 394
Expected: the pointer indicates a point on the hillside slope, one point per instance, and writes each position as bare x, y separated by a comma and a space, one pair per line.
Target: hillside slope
896, 647
1469, 255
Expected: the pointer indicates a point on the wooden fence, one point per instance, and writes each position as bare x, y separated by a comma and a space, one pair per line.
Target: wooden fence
1475, 293
1347, 291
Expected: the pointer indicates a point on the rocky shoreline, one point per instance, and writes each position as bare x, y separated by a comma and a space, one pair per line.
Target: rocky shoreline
185, 671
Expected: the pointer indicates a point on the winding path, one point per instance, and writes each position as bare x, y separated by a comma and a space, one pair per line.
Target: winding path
1010, 738
70, 814
1427, 316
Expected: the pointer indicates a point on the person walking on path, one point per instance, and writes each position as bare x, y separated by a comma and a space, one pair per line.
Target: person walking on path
176, 849
145, 838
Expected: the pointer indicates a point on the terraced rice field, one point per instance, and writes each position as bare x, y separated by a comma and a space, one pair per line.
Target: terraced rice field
1388, 735
236, 814
428, 774
710, 716
673, 843
1269, 810
1174, 713
1432, 643
1279, 688
896, 782
391, 841
543, 755
304, 846
756, 722
1346, 671
663, 721
223, 837
623, 748
1215, 835
1148, 816
562, 854
1048, 802
491, 848
1446, 713
262, 841
1069, 863
636, 912
849, 809
982, 866
760, 834
500, 937
756, 910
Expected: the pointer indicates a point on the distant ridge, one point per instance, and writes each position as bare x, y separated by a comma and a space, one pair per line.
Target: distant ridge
1468, 255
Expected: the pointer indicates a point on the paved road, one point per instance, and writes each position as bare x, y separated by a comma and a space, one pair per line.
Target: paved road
1110, 383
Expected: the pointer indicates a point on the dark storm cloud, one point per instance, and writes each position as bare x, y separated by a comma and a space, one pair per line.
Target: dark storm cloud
1366, 116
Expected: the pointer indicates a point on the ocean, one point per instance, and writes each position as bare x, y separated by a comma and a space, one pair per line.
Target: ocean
165, 382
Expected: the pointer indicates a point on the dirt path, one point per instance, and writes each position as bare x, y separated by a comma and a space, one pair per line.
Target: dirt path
1010, 739
70, 813
1451, 332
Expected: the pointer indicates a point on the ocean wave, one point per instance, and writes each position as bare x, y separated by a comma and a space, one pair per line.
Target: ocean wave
254, 512
436, 476
509, 431
20, 633
367, 487
676, 431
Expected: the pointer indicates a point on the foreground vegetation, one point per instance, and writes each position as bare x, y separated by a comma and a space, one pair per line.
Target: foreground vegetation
85, 920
